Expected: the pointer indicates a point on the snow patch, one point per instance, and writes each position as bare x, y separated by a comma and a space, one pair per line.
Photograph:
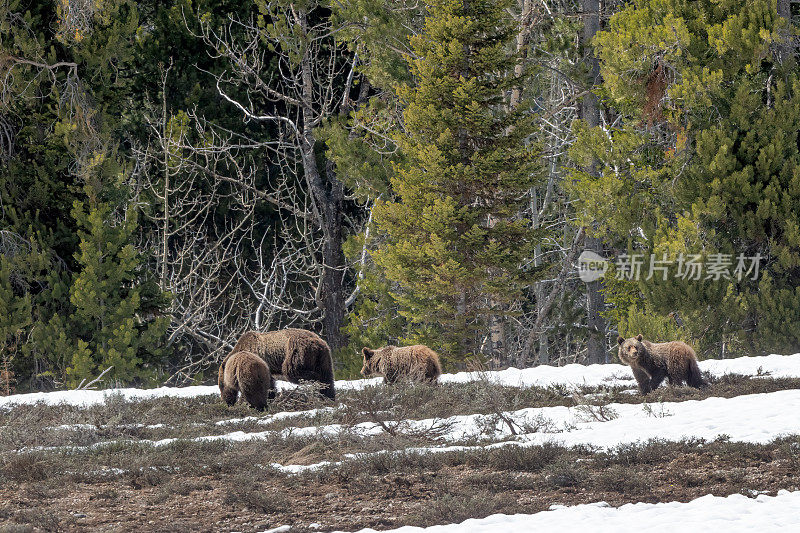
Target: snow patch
542, 376
735, 513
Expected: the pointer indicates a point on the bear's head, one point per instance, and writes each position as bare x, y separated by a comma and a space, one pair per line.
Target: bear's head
370, 367
372, 359
630, 350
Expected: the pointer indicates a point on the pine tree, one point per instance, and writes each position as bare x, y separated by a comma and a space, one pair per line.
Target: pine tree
106, 295
705, 161
455, 242
360, 144
68, 82
15, 316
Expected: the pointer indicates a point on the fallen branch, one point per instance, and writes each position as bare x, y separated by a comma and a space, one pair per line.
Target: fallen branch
81, 385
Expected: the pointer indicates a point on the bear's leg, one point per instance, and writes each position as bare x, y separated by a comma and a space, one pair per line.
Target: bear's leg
694, 377
657, 377
295, 369
643, 379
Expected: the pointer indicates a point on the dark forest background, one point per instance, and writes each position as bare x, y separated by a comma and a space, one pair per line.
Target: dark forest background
177, 172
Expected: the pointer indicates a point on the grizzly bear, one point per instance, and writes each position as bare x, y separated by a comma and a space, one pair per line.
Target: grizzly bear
248, 373
416, 363
652, 362
297, 354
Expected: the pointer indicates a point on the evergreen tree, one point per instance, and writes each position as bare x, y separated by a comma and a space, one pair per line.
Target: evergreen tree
455, 244
107, 297
15, 317
705, 161
365, 155
66, 87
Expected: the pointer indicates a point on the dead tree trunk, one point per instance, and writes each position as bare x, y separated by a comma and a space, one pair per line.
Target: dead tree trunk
590, 112
289, 73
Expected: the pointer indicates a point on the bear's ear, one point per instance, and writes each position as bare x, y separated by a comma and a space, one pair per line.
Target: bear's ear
639, 337
620, 339
367, 352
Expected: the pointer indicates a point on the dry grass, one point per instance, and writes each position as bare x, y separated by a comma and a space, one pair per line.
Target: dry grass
244, 491
454, 505
39, 425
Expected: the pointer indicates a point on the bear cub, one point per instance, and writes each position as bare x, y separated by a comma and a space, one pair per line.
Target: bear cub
247, 373
415, 363
652, 362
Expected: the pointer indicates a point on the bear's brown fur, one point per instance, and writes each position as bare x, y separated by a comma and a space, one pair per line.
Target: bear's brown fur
652, 362
247, 373
297, 354
416, 363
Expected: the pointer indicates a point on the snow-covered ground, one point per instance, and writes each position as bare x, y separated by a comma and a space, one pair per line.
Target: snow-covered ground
731, 514
755, 418
614, 374
569, 375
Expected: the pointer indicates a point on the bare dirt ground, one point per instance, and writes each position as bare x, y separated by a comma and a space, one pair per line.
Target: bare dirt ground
423, 494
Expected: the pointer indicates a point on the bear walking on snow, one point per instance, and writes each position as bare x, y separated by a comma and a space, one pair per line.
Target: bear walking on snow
297, 354
247, 373
417, 363
652, 362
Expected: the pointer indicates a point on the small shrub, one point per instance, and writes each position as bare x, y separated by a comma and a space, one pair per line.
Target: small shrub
596, 413
39, 519
147, 477
621, 479
652, 452
564, 474
685, 477
22, 467
37, 491
244, 491
656, 410
108, 494
736, 476
524, 458
456, 507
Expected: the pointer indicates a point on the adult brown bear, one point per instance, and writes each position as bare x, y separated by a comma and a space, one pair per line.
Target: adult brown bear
652, 362
416, 363
297, 354
247, 373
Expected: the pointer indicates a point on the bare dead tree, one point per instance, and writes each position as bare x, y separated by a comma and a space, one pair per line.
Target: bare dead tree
290, 73
557, 91
247, 273
192, 254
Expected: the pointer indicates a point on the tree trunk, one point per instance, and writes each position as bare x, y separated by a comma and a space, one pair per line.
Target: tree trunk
786, 45
596, 345
328, 193
590, 112
331, 295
